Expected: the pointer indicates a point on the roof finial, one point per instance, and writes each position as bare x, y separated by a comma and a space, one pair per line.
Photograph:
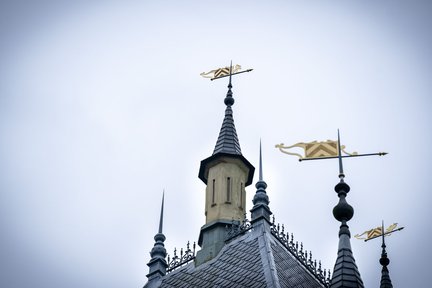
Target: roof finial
260, 200
161, 213
229, 100
260, 165
343, 212
157, 264
384, 261
382, 234
230, 74
341, 173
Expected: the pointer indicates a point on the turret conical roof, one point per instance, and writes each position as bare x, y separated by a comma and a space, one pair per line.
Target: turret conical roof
227, 143
228, 140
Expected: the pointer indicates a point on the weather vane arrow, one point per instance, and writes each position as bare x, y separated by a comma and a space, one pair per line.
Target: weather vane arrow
224, 72
329, 149
378, 232
343, 212
384, 260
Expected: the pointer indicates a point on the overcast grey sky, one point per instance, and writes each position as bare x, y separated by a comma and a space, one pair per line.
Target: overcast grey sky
102, 107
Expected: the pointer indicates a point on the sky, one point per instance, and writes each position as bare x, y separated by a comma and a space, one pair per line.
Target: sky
102, 108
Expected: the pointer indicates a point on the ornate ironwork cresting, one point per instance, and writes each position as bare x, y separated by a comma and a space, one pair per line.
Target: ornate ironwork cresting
179, 260
237, 228
303, 256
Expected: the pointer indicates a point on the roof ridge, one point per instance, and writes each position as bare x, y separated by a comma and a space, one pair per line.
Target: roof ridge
232, 241
254, 259
302, 256
266, 253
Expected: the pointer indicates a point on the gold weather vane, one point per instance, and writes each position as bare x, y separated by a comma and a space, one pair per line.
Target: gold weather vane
384, 260
315, 149
321, 150
378, 232
223, 72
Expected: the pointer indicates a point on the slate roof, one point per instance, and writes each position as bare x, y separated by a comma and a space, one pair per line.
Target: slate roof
289, 272
255, 259
237, 265
228, 140
385, 279
345, 273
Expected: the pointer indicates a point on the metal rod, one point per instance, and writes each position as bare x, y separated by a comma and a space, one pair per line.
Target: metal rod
229, 85
341, 174
345, 156
162, 212
386, 233
248, 70
260, 165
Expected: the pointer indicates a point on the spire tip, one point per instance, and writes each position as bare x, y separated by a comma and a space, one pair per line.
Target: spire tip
260, 164
161, 213
341, 173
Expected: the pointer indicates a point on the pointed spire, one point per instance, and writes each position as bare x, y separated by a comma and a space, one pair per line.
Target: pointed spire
345, 273
261, 194
260, 165
161, 213
260, 200
384, 261
157, 264
341, 173
230, 77
228, 141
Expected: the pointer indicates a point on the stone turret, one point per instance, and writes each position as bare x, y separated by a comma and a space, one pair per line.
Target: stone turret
226, 173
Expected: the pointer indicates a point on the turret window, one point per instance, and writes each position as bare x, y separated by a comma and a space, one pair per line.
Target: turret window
241, 195
228, 190
213, 192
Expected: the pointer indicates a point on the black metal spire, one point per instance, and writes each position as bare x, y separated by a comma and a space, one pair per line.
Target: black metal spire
260, 200
384, 261
161, 213
228, 141
260, 165
157, 264
341, 174
345, 273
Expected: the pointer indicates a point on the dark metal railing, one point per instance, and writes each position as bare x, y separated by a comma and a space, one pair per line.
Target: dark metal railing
179, 260
237, 228
303, 256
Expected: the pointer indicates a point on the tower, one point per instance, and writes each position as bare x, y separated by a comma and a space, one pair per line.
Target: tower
226, 173
236, 252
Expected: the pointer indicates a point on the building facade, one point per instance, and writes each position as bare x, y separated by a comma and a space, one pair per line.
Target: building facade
249, 253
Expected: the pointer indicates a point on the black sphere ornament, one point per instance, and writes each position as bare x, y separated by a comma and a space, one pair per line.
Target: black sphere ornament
384, 261
229, 101
342, 187
343, 211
